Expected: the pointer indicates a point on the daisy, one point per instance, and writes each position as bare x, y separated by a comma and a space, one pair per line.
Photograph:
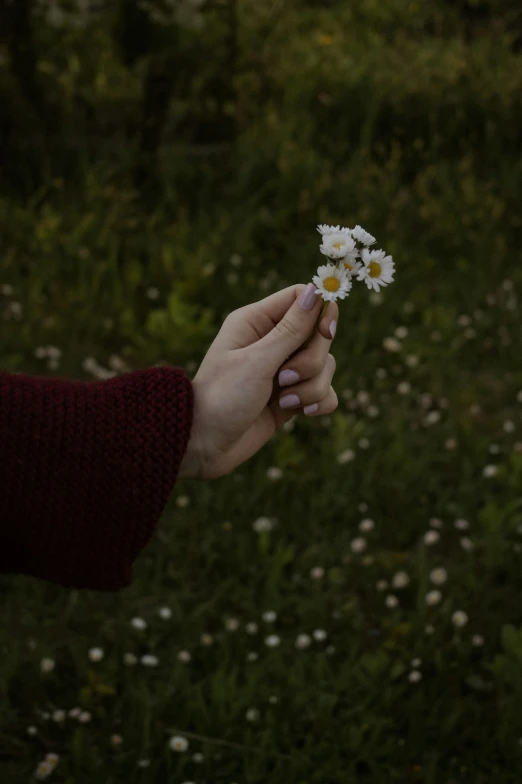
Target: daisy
178, 743
378, 269
326, 230
332, 283
339, 246
359, 234
351, 266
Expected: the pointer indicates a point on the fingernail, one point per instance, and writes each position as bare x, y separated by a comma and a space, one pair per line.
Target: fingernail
333, 328
289, 401
308, 297
311, 409
287, 377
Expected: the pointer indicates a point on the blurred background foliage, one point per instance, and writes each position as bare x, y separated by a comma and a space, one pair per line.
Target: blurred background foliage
164, 162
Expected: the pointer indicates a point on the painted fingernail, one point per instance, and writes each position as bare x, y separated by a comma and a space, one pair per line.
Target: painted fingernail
333, 328
311, 409
289, 401
308, 297
287, 377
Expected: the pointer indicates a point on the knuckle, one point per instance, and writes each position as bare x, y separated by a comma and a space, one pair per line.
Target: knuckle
332, 363
286, 328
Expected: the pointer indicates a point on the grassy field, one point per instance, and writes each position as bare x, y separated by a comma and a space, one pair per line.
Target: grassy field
347, 606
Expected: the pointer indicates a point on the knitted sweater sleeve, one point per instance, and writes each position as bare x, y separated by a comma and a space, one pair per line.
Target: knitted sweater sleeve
86, 469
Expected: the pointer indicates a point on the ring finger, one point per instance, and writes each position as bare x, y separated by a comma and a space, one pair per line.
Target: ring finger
311, 391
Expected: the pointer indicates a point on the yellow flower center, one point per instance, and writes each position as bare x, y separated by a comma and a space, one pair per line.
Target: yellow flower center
338, 245
375, 269
332, 284
348, 266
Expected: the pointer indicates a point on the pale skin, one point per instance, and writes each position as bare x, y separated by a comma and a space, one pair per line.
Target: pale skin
237, 392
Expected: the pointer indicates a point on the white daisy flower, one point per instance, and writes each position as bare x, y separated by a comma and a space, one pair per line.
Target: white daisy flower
378, 269
415, 676
459, 619
96, 654
400, 580
351, 265
327, 230
359, 234
178, 743
339, 246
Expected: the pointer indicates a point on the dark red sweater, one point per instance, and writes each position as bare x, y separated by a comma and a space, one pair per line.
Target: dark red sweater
86, 469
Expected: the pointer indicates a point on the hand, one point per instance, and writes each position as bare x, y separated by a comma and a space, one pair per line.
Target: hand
238, 388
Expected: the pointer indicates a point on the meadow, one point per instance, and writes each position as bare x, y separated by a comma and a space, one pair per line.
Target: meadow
347, 605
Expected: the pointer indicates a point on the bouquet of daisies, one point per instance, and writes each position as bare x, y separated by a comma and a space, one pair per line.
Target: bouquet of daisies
351, 260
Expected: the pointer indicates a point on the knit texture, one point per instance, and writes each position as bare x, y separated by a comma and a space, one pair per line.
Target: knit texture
86, 469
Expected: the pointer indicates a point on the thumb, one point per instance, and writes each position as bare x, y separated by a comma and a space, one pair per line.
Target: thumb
291, 331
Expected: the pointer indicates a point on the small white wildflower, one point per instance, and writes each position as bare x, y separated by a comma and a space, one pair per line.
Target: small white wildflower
494, 449
47, 665
415, 676
149, 660
273, 699
43, 770
382, 585
400, 580
152, 292
183, 501
366, 525
461, 524
373, 411
317, 573
116, 740
404, 388
391, 602
262, 524
345, 457
431, 537
184, 657
303, 641
32, 730
416, 663
436, 523
129, 659
236, 260
96, 654
392, 345
490, 471
6, 289
231, 624
433, 598
509, 426
339, 245
332, 283
364, 443
269, 616
459, 619
178, 743
272, 640
58, 716
438, 576
467, 544
197, 757
319, 635
432, 418
139, 624
206, 639
143, 763
274, 473
381, 373
74, 713
450, 443
358, 545
252, 656
412, 360
429, 629
477, 640
252, 714
251, 628
519, 396
84, 717
362, 236
401, 332
377, 270
165, 613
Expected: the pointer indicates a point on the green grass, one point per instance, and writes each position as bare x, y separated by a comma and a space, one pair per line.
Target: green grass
413, 135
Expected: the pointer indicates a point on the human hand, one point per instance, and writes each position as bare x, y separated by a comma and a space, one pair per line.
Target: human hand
239, 387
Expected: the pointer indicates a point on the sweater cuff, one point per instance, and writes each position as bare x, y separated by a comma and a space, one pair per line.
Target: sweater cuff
86, 469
